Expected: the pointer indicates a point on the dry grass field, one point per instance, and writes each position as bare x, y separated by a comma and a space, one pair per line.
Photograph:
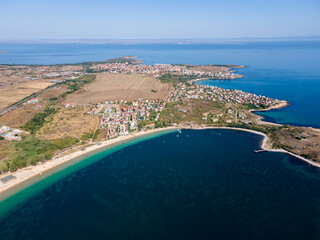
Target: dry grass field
69, 122
10, 95
110, 87
55, 92
18, 117
301, 140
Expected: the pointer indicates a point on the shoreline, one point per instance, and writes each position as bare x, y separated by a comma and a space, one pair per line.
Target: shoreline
264, 143
279, 105
28, 173
260, 119
226, 79
25, 174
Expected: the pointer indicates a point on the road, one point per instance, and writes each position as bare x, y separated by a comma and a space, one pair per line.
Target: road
13, 106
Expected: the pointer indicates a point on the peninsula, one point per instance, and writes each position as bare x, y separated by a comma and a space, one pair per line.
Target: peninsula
63, 111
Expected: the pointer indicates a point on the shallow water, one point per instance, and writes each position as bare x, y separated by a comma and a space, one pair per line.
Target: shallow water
200, 184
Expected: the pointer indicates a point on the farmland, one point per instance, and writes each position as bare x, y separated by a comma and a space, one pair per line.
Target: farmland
110, 87
10, 95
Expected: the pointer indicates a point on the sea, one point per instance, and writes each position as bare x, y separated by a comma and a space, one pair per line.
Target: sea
284, 70
193, 184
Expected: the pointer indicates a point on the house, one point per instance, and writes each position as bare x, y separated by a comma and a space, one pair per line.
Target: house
72, 105
33, 100
229, 111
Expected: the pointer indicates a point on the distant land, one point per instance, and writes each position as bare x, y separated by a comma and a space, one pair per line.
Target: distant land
162, 41
2, 52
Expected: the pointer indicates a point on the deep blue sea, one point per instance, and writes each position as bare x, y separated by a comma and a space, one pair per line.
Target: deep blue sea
200, 184
283, 70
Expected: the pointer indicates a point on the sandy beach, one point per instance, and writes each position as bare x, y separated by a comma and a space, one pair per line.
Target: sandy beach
23, 175
27, 173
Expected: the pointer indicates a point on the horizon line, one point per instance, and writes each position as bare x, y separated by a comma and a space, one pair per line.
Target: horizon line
160, 40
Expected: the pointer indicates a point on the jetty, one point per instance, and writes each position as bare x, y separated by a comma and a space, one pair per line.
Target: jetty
259, 151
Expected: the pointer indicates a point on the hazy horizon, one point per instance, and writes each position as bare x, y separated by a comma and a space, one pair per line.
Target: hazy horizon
142, 19
164, 40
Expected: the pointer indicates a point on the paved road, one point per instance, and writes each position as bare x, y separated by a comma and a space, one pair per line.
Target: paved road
13, 106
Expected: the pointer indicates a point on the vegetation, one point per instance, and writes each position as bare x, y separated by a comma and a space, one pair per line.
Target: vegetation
77, 84
253, 106
191, 110
96, 134
87, 136
310, 155
31, 150
175, 78
39, 120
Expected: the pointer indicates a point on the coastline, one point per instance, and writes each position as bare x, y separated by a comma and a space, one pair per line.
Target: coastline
28, 173
279, 105
202, 79
259, 119
264, 144
25, 174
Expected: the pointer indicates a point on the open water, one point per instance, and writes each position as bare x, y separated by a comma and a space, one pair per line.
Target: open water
200, 184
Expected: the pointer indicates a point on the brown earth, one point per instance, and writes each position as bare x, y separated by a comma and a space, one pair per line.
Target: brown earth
11, 95
18, 117
111, 87
208, 68
304, 141
55, 92
69, 122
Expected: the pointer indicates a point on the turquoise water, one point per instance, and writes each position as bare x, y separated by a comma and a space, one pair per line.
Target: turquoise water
284, 70
12, 198
200, 184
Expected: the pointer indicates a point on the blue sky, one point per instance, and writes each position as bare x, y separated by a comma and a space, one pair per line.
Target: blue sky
142, 19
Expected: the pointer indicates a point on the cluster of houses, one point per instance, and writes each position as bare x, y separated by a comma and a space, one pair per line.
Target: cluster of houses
159, 69
122, 117
61, 72
10, 134
35, 101
219, 94
70, 105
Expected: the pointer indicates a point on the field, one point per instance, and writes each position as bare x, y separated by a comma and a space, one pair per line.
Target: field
111, 87
18, 117
69, 122
10, 95
55, 92
304, 141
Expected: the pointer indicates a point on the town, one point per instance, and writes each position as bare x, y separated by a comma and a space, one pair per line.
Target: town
123, 117
219, 94
160, 69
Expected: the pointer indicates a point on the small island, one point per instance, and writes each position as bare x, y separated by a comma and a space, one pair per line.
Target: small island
2, 52
59, 112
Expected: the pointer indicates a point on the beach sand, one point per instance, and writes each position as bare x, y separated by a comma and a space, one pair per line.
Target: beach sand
23, 175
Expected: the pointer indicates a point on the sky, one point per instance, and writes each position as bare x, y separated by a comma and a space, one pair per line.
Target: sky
165, 19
